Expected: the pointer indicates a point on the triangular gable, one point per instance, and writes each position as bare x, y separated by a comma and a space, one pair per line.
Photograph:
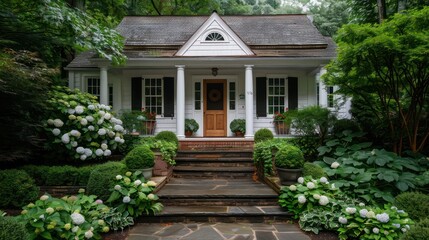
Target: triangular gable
200, 44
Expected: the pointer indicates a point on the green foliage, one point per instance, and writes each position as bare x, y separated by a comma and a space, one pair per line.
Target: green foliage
262, 154
312, 170
263, 134
308, 146
330, 15
81, 127
342, 125
59, 175
168, 136
74, 217
130, 142
133, 121
318, 219
117, 220
414, 203
16, 188
289, 156
102, 179
12, 229
366, 222
168, 149
238, 125
133, 194
420, 231
139, 158
191, 125
313, 121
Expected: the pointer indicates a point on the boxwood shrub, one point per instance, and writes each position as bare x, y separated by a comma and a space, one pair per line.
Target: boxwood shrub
263, 134
313, 170
168, 136
416, 204
12, 229
420, 231
17, 188
102, 179
59, 175
140, 157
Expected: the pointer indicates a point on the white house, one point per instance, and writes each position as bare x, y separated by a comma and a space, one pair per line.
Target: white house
211, 68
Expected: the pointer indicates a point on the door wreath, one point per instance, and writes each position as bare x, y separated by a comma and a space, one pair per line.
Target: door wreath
215, 95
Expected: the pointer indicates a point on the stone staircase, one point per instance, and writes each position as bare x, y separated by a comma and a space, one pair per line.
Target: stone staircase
214, 183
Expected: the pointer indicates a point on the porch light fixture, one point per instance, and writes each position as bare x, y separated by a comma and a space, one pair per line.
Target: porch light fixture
214, 71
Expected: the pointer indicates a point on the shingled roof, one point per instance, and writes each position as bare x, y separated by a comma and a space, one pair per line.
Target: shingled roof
267, 30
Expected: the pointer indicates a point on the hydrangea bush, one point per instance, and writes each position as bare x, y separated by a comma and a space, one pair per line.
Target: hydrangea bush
133, 194
82, 127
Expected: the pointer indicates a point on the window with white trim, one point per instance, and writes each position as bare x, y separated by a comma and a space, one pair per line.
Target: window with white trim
276, 94
93, 86
197, 96
153, 89
111, 94
330, 91
215, 36
232, 96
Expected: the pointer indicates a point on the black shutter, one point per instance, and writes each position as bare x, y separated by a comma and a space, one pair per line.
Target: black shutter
136, 93
261, 97
293, 93
169, 97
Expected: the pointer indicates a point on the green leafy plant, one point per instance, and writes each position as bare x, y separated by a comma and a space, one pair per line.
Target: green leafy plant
420, 231
263, 134
191, 125
238, 125
12, 229
290, 157
133, 194
168, 150
117, 220
133, 121
318, 219
313, 170
16, 188
80, 126
168, 136
139, 158
102, 179
416, 204
308, 146
262, 154
59, 175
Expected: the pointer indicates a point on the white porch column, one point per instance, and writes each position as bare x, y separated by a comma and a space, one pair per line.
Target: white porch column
104, 87
323, 93
249, 100
180, 101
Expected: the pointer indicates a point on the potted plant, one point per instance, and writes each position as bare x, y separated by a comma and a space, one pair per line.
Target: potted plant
289, 161
148, 119
238, 126
191, 126
141, 158
282, 121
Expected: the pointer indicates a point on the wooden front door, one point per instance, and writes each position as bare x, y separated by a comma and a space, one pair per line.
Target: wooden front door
215, 108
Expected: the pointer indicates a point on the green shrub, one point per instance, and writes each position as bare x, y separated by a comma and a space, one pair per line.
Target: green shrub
139, 158
59, 175
12, 229
38, 173
308, 146
83, 175
263, 135
17, 188
262, 154
313, 170
289, 156
130, 142
238, 125
167, 136
414, 203
420, 231
102, 178
345, 124
191, 125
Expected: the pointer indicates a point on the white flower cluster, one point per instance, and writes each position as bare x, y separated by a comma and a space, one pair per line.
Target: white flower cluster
77, 218
97, 120
324, 200
342, 220
383, 218
351, 210
302, 199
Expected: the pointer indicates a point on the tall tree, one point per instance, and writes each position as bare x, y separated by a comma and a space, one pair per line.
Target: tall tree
391, 62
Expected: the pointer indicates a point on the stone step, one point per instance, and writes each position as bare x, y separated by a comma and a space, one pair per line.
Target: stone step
215, 162
219, 201
216, 144
214, 214
213, 172
215, 153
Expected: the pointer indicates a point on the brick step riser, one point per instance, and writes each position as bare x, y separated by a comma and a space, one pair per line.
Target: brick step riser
212, 175
215, 164
219, 202
214, 219
224, 155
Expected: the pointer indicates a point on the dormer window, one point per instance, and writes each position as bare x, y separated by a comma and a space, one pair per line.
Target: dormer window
215, 36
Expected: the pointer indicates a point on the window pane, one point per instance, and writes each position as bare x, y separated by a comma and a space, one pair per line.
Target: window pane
276, 95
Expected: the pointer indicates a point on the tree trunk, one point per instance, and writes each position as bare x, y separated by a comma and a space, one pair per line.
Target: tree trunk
381, 4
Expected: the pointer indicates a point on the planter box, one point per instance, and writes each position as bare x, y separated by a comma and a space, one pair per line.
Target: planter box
161, 168
60, 191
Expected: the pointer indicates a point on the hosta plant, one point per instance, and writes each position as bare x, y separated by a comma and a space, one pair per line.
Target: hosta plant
133, 194
80, 126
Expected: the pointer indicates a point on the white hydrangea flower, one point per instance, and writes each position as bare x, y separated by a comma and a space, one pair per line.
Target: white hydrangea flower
58, 123
88, 152
102, 113
100, 121
79, 109
335, 165
73, 143
383, 217
89, 118
75, 133
56, 131
65, 138
144, 185
126, 199
324, 200
44, 197
111, 134
323, 180
107, 153
119, 128
49, 210
302, 199
151, 196
363, 213
310, 185
107, 116
316, 196
104, 146
375, 230
122, 141
101, 132
72, 117
88, 234
80, 150
370, 214
118, 177
107, 108
400, 211
83, 122
99, 152
361, 204
91, 128
83, 157
117, 139
50, 122
71, 111
119, 122
301, 180
75, 229
137, 182
351, 210
117, 187
91, 107
404, 230
333, 186
151, 183
77, 218
397, 225
292, 188
42, 216
342, 220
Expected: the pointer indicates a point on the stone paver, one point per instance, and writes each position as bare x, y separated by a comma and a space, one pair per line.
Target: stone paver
216, 231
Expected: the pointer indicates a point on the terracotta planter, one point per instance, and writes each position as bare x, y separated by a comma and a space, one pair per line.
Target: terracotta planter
161, 168
281, 127
189, 133
239, 134
288, 176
